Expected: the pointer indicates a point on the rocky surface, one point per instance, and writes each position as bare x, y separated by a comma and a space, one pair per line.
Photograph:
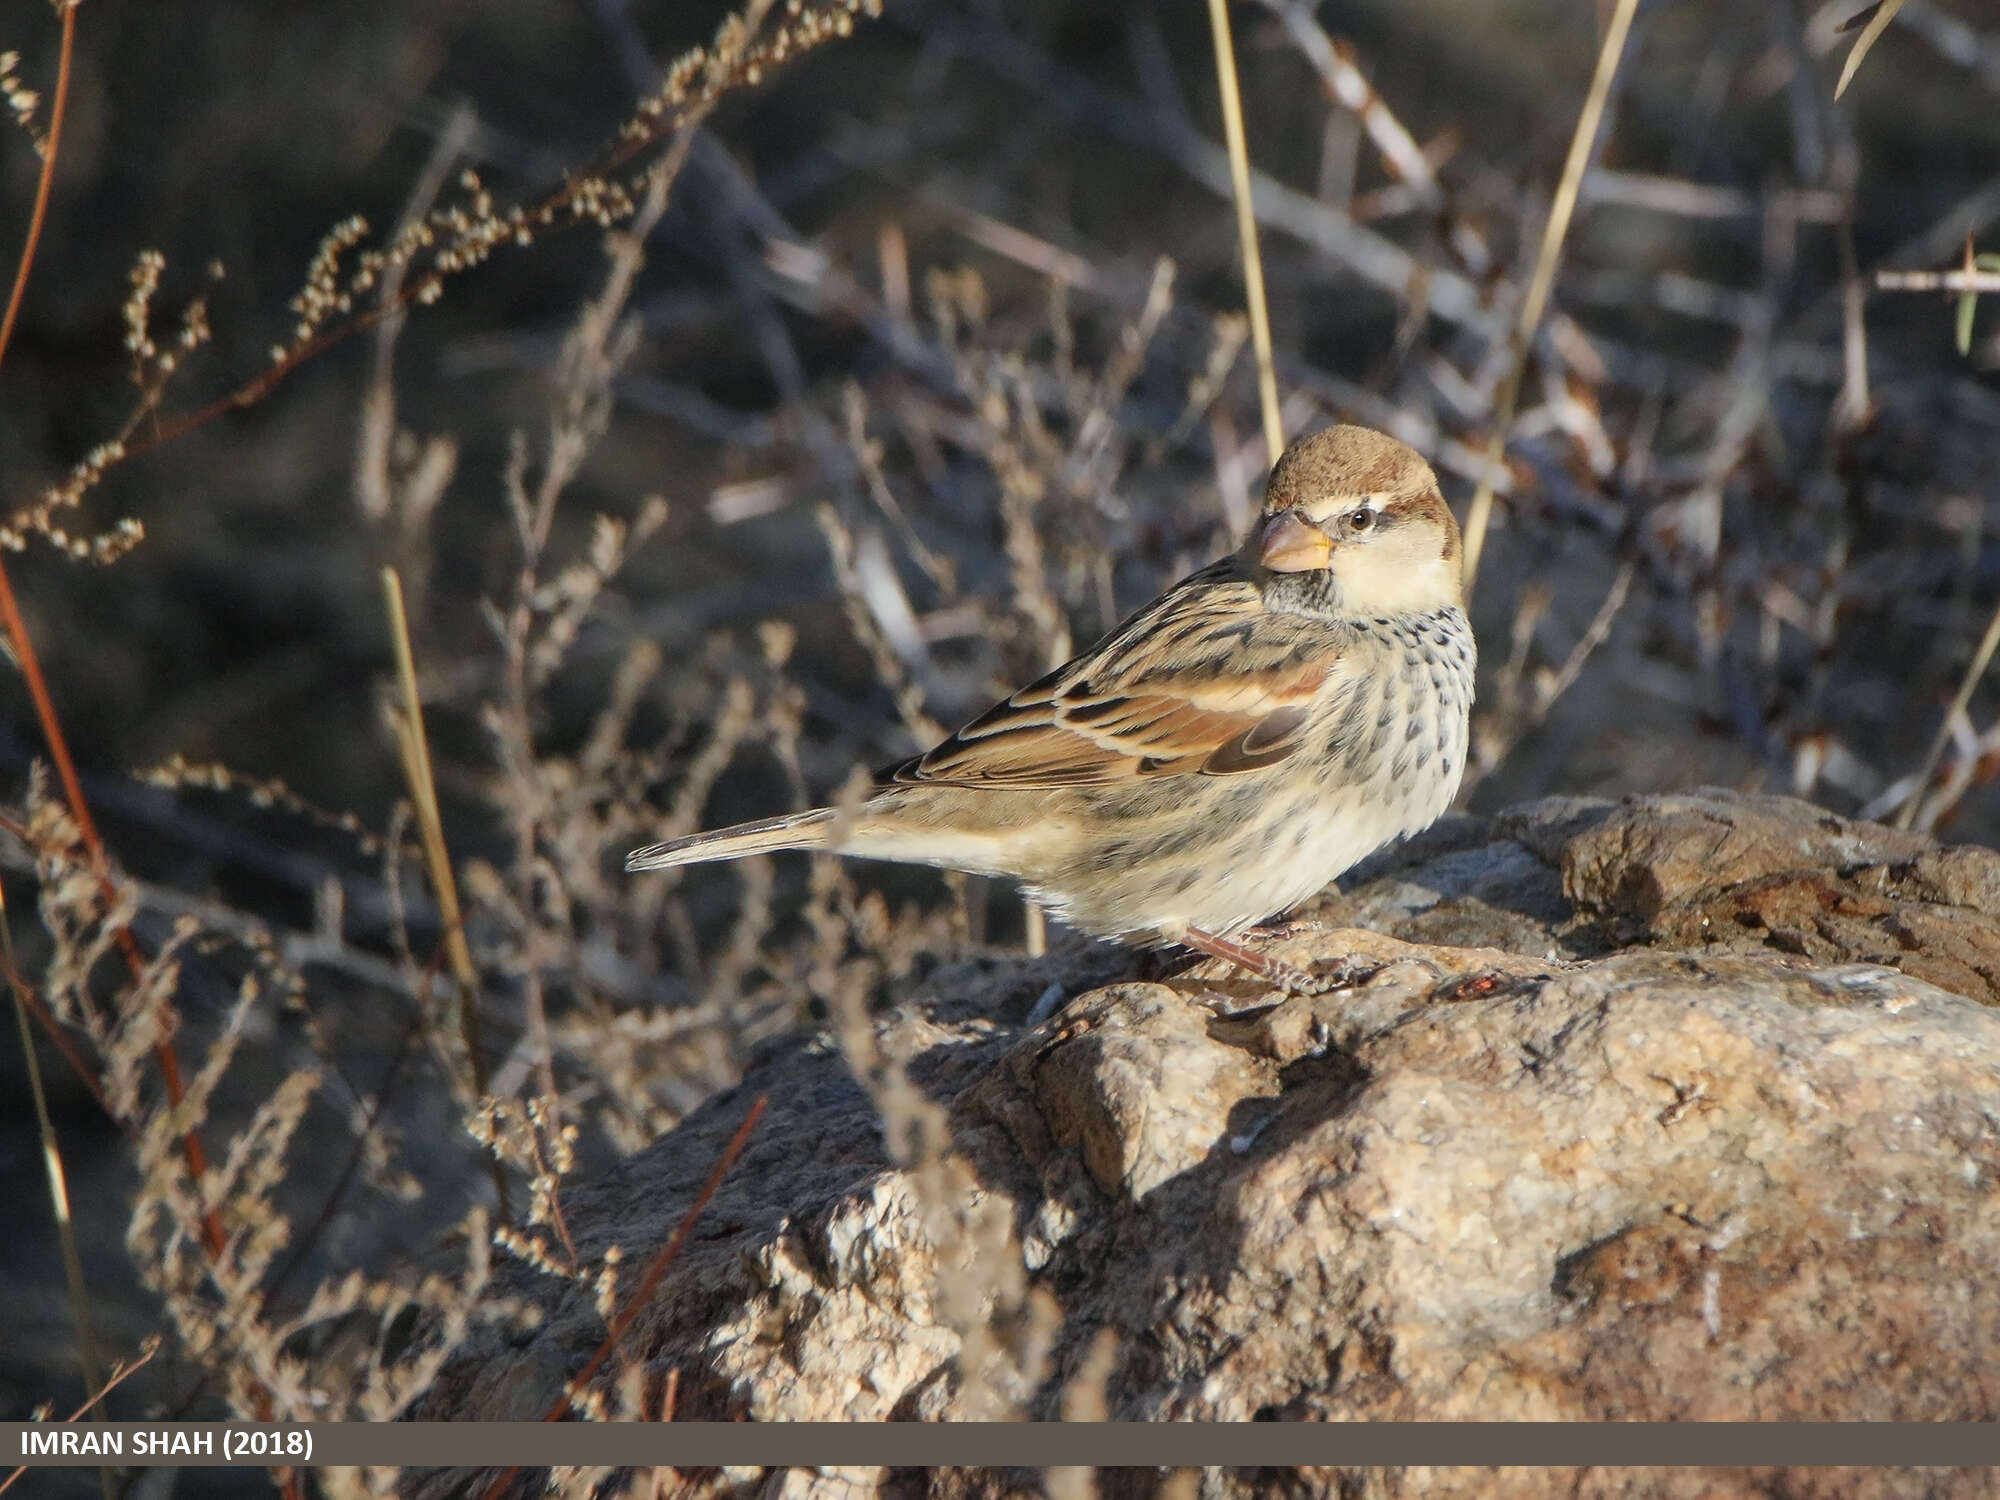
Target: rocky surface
1676, 1108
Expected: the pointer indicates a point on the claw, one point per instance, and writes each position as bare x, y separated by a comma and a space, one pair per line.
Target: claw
1344, 973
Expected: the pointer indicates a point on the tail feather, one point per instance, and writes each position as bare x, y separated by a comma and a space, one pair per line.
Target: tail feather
799, 830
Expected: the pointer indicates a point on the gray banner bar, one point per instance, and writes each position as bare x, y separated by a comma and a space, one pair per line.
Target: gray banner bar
928, 1444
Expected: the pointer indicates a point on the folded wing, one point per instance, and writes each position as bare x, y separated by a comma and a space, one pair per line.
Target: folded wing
1202, 681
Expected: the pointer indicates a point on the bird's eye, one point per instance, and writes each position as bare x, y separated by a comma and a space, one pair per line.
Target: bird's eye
1360, 520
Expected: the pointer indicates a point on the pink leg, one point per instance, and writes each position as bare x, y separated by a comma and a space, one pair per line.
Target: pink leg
1273, 971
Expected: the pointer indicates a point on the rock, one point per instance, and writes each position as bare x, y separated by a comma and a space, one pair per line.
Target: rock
1709, 872
1647, 854
1706, 1132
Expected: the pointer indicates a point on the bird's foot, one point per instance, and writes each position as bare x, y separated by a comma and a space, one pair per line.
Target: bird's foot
1323, 978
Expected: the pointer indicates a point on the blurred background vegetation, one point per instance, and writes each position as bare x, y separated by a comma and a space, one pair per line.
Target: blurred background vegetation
935, 362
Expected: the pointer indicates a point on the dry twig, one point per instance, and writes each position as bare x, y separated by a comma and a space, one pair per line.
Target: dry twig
1563, 205
1246, 229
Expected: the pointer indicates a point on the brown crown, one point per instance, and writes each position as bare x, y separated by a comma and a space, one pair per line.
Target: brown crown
1360, 461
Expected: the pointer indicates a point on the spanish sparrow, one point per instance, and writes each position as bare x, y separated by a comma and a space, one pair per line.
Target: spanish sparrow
1227, 751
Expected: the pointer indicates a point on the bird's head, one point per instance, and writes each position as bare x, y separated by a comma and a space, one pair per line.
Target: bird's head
1354, 524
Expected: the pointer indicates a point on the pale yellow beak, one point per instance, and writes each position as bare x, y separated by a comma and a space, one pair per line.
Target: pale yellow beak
1294, 545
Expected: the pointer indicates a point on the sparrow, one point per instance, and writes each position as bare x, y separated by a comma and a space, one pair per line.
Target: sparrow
1223, 754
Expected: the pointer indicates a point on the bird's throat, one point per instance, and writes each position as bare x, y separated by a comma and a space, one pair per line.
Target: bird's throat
1317, 594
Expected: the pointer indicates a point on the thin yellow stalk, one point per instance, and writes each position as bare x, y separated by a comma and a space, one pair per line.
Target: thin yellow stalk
1246, 228
1544, 277
416, 753
423, 787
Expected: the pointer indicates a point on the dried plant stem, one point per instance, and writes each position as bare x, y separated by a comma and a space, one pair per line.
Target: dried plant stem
1246, 228
89, 1359
1853, 404
662, 1262
1595, 634
37, 1008
1560, 212
416, 754
423, 788
24, 649
30, 663
1872, 33
118, 1377
643, 1291
140, 436
1347, 87
1974, 670
45, 711
1937, 281
40, 212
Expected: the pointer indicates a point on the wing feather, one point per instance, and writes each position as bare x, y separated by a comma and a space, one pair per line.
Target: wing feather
1204, 680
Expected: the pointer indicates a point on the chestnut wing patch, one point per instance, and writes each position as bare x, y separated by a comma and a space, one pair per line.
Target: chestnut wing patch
1201, 682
